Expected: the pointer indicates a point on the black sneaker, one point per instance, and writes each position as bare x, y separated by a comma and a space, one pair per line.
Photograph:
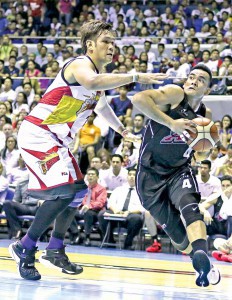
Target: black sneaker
56, 258
25, 260
205, 272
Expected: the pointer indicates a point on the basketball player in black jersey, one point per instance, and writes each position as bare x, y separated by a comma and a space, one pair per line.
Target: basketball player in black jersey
165, 181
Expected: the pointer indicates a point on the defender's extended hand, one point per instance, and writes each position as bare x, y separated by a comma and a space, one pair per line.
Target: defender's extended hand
152, 78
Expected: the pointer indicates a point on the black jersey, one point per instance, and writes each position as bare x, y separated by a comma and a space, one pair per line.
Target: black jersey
163, 151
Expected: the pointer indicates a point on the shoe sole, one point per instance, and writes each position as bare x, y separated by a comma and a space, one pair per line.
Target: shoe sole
201, 264
48, 264
17, 260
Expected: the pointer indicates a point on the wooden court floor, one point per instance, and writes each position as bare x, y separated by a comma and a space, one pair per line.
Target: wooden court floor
113, 274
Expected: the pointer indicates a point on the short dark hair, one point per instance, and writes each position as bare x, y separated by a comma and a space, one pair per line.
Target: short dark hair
226, 177
93, 169
140, 115
205, 69
132, 170
117, 155
206, 162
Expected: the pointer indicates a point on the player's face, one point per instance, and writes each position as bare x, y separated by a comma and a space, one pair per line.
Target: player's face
197, 84
104, 47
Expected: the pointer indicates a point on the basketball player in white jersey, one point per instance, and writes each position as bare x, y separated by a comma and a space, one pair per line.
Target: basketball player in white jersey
44, 137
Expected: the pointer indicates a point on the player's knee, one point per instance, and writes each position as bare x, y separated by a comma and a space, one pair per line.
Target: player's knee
189, 209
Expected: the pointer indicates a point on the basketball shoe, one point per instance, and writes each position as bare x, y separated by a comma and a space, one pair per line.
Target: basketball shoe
56, 258
206, 273
155, 247
25, 260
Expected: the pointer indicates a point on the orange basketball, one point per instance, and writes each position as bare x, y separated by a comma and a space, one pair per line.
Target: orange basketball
206, 136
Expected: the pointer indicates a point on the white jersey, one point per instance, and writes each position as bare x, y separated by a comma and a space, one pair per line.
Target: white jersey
46, 132
64, 107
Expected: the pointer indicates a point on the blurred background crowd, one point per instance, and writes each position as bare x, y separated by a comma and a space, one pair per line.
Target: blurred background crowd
37, 37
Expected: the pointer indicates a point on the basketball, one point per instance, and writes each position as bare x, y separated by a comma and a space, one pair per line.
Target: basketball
205, 137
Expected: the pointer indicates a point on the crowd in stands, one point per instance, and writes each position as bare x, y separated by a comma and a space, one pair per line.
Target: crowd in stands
183, 24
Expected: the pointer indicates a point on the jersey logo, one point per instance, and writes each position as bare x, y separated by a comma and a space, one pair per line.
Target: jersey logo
69, 108
173, 138
46, 164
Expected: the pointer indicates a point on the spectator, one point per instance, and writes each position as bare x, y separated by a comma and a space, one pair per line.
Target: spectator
147, 48
22, 204
29, 92
105, 158
161, 52
124, 200
152, 229
8, 93
3, 111
222, 210
20, 103
37, 10
5, 48
116, 175
214, 159
129, 153
65, 8
138, 128
31, 70
220, 44
196, 51
11, 70
3, 186
15, 174
86, 141
41, 59
229, 80
212, 65
10, 154
225, 133
93, 202
210, 190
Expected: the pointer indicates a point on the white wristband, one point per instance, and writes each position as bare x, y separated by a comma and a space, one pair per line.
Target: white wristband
135, 77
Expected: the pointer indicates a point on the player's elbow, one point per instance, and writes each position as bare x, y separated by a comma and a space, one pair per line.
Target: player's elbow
137, 99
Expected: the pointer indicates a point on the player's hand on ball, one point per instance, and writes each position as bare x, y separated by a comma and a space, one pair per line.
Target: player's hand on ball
152, 78
181, 126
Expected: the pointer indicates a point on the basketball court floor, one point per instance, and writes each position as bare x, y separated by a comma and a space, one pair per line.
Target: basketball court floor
113, 274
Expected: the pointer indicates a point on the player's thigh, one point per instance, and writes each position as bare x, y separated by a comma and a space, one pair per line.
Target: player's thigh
183, 183
158, 203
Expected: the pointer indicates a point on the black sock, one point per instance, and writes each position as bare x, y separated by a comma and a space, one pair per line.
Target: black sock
154, 237
199, 244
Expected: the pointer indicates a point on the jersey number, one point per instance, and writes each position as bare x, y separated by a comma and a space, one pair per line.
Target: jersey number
186, 184
187, 152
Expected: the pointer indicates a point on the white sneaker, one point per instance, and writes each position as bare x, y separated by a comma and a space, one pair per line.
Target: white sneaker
214, 276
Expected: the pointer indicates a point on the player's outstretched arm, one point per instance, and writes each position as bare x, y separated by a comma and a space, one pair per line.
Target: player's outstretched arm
104, 110
83, 72
154, 104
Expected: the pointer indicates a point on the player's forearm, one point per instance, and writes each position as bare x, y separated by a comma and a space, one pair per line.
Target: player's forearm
109, 81
104, 110
147, 105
